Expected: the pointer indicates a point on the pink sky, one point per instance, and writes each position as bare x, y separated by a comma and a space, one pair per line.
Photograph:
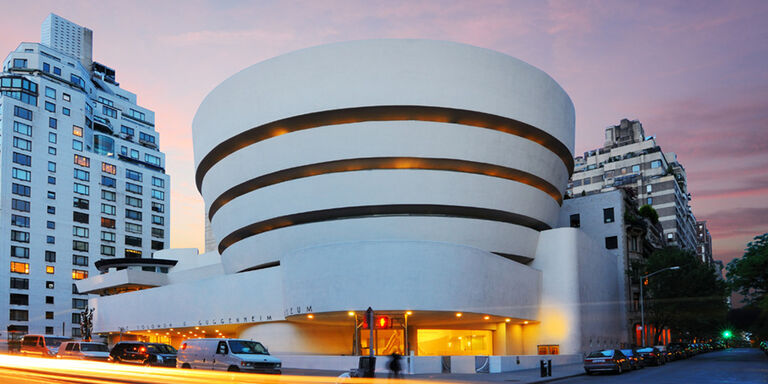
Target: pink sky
695, 73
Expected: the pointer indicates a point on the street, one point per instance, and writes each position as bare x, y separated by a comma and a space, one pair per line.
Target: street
733, 366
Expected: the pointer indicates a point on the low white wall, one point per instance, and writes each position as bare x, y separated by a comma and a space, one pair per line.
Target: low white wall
425, 364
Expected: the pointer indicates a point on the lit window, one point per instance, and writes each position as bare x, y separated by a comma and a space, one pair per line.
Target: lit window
82, 161
77, 131
78, 274
49, 269
108, 168
17, 267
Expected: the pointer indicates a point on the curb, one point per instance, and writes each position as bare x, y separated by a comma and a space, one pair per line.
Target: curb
551, 379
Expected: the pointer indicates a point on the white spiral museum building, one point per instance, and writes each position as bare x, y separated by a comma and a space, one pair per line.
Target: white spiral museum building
421, 178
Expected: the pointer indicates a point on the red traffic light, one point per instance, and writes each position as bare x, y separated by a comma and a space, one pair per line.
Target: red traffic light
380, 322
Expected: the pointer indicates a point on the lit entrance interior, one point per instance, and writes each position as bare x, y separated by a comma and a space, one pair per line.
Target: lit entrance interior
453, 342
388, 341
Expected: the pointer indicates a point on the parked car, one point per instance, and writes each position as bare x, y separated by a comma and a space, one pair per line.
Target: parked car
41, 345
150, 354
606, 360
677, 351
227, 355
83, 350
651, 356
635, 360
665, 352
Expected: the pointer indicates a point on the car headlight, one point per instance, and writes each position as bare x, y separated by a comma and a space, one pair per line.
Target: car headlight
278, 365
246, 364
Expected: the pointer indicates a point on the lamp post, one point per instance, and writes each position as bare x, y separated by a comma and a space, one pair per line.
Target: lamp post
642, 282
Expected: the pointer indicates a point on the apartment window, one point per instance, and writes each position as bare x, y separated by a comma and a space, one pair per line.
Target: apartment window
20, 205
108, 236
80, 260
50, 224
20, 174
53, 123
80, 246
107, 223
154, 160
80, 203
108, 168
51, 167
133, 188
80, 232
82, 175
22, 113
77, 145
49, 316
19, 315
49, 284
108, 209
66, 97
65, 111
81, 189
19, 236
146, 138
133, 175
132, 201
50, 93
20, 252
82, 161
21, 190
19, 63
22, 268
46, 68
132, 254
52, 180
134, 154
22, 159
57, 71
158, 232
51, 209
133, 241
20, 221
79, 303
108, 195
611, 242
52, 195
22, 128
136, 114
80, 217
19, 299
656, 164
157, 245
77, 131
648, 188
608, 215
126, 130
22, 144
49, 269
108, 182
111, 112
19, 283
131, 214
50, 107
649, 200
160, 195
76, 332
159, 220
158, 207
132, 228
52, 151
50, 256
74, 289
158, 182
50, 240
75, 320
107, 250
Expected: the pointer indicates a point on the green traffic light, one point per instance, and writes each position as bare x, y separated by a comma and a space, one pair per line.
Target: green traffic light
727, 334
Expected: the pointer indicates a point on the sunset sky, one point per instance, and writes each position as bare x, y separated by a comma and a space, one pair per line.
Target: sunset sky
695, 73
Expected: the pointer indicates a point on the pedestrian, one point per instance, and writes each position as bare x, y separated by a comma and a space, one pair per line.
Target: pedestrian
394, 365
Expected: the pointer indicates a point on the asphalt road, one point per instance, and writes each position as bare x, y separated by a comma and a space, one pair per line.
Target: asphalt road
731, 366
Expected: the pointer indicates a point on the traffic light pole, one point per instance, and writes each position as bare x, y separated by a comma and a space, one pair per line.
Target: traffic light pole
369, 314
642, 310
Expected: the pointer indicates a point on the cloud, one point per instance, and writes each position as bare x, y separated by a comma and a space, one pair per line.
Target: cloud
738, 222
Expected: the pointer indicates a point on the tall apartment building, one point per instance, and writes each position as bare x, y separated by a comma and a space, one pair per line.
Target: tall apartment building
629, 159
82, 179
704, 242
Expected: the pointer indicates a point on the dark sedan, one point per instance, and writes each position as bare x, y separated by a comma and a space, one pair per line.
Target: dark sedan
606, 360
651, 356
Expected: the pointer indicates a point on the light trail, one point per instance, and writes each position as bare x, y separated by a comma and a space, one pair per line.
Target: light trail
22, 369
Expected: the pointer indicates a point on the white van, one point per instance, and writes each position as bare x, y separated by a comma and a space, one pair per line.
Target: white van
83, 350
227, 355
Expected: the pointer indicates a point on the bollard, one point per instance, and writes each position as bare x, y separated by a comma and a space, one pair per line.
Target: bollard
549, 367
543, 365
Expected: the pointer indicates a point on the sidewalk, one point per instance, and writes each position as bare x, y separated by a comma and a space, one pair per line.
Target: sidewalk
526, 376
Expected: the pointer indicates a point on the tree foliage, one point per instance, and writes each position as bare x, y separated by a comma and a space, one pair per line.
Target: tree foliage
748, 275
691, 301
648, 212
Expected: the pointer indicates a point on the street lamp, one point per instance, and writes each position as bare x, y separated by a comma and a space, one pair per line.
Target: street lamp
642, 282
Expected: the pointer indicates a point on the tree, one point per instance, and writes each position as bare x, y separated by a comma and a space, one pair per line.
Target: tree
748, 275
690, 301
649, 213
